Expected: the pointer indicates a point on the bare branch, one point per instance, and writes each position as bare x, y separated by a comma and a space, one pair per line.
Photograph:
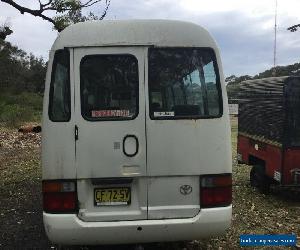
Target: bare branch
57, 22
41, 6
47, 4
89, 3
105, 10
22, 9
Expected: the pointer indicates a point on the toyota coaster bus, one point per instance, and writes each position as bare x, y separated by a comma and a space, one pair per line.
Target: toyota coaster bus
136, 143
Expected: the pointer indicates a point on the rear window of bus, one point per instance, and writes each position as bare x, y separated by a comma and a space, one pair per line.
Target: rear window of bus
109, 87
184, 83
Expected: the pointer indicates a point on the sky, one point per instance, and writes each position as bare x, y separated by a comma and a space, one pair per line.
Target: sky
243, 29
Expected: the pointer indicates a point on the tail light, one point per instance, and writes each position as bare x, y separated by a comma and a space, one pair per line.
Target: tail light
59, 196
215, 190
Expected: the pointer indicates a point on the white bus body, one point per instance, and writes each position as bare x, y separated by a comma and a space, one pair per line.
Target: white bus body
136, 143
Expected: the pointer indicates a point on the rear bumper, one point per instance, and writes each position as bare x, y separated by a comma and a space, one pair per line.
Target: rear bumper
70, 230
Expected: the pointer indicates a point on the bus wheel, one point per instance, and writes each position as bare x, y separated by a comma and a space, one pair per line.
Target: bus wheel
259, 180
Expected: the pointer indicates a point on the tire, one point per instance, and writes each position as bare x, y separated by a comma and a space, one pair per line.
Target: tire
259, 179
253, 177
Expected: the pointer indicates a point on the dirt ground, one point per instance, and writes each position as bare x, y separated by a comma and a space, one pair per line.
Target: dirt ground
21, 224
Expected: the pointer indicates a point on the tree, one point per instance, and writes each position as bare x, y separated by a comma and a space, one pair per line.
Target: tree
36, 74
67, 11
230, 79
293, 28
5, 31
20, 72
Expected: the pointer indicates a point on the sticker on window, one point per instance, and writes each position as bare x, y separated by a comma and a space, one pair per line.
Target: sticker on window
110, 113
164, 114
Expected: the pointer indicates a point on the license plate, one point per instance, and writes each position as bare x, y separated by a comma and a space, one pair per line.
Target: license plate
112, 196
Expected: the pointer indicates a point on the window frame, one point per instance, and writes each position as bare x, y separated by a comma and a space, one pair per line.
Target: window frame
97, 119
51, 91
218, 85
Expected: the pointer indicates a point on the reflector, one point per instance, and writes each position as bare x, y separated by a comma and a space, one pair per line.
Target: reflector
216, 180
216, 197
59, 202
52, 186
59, 196
216, 190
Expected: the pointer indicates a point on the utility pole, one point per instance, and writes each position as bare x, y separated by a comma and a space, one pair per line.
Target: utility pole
275, 41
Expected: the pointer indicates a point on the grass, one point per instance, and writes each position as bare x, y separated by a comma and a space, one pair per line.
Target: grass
21, 210
16, 109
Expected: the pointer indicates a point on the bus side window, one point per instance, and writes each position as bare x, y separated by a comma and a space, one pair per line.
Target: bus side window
59, 98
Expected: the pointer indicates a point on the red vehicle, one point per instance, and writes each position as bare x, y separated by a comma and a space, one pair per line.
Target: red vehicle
269, 131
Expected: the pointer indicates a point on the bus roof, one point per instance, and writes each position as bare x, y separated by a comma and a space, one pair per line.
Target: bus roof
163, 33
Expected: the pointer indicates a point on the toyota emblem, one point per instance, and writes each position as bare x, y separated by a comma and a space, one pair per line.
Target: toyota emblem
185, 189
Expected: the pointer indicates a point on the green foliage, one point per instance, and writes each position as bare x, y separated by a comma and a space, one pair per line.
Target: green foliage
289, 70
17, 109
22, 79
68, 12
63, 5
234, 81
20, 72
14, 115
74, 15
32, 100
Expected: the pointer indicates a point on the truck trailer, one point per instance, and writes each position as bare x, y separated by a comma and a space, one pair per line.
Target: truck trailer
269, 131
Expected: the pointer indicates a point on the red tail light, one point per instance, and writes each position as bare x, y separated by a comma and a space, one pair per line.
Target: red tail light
216, 190
59, 197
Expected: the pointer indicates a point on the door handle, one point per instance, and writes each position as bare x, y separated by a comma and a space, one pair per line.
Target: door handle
76, 132
130, 145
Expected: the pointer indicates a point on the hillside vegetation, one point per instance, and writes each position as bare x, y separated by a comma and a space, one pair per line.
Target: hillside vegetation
234, 81
22, 78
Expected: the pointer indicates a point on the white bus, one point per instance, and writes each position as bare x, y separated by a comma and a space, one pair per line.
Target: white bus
136, 134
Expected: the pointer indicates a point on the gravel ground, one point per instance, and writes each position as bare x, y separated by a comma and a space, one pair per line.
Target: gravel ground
21, 224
